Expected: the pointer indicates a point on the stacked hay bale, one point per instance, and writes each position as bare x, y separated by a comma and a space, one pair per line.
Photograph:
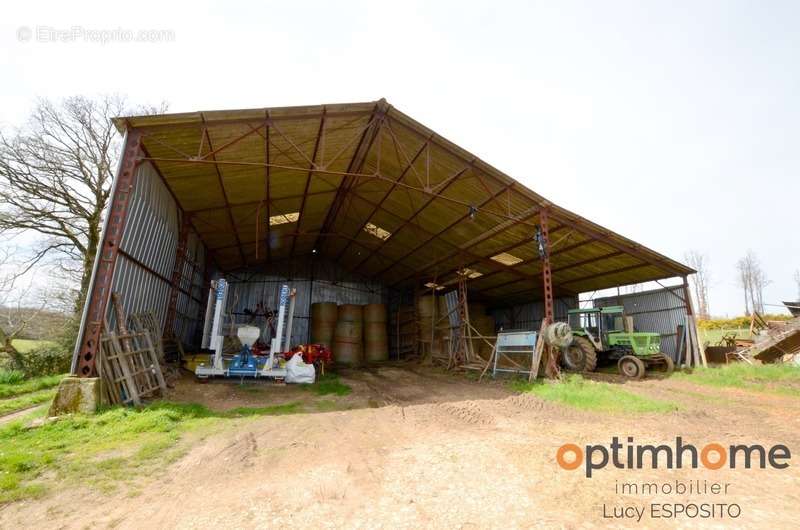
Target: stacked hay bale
376, 342
348, 335
323, 323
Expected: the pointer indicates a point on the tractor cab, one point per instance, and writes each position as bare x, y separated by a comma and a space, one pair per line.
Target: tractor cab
597, 323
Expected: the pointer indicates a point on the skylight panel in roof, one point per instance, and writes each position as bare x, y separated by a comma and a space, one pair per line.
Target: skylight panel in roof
284, 218
506, 259
377, 231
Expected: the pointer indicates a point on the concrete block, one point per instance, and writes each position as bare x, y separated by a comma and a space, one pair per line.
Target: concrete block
77, 395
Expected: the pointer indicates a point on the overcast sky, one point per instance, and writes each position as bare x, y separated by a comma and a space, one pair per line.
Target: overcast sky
676, 124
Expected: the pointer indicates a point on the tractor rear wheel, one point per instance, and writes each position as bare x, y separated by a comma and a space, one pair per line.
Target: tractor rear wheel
580, 356
631, 367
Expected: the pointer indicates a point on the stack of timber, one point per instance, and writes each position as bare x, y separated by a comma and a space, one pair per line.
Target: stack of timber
780, 343
690, 351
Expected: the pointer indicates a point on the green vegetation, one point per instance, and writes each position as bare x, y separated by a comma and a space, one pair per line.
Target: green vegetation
11, 377
581, 393
329, 384
27, 345
778, 378
7, 406
712, 336
116, 444
736, 322
24, 386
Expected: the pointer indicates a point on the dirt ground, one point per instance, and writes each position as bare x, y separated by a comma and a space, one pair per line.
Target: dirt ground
418, 449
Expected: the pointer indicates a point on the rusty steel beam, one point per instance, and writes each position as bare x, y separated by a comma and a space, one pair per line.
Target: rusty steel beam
449, 149
432, 236
328, 172
213, 152
608, 273
378, 206
225, 196
633, 250
312, 165
532, 260
355, 165
318, 235
562, 268
254, 120
256, 203
518, 219
445, 229
547, 273
509, 248
97, 298
442, 186
267, 191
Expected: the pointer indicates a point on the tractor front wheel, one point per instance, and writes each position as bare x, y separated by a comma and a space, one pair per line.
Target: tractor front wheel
631, 367
669, 364
580, 356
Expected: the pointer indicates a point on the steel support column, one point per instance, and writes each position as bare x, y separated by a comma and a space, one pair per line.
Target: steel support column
100, 291
547, 273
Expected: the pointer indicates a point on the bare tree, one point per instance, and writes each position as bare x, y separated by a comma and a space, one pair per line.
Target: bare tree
699, 281
55, 179
15, 301
752, 280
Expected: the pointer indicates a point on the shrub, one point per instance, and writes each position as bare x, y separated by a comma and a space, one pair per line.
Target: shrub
44, 360
11, 377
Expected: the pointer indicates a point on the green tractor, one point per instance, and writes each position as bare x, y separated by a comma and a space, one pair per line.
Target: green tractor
599, 333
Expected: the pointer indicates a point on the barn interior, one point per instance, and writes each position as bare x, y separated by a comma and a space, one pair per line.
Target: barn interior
347, 204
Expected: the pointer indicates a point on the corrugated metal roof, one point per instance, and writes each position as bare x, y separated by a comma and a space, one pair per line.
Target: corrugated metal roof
342, 166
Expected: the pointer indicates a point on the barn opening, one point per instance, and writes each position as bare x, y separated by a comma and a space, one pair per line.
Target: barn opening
347, 204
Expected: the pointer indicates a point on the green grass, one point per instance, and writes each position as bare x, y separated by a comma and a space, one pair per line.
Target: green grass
115, 445
29, 385
777, 378
329, 384
581, 393
11, 377
7, 406
26, 345
713, 336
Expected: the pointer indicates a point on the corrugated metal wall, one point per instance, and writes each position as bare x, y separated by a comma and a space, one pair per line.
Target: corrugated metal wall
192, 296
317, 281
144, 266
659, 311
529, 316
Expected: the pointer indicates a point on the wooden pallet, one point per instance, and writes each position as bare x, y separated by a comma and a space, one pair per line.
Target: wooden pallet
129, 368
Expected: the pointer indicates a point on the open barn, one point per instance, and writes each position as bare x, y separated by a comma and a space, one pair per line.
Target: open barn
348, 204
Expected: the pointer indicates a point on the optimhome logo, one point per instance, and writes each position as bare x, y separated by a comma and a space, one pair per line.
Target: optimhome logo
678, 456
